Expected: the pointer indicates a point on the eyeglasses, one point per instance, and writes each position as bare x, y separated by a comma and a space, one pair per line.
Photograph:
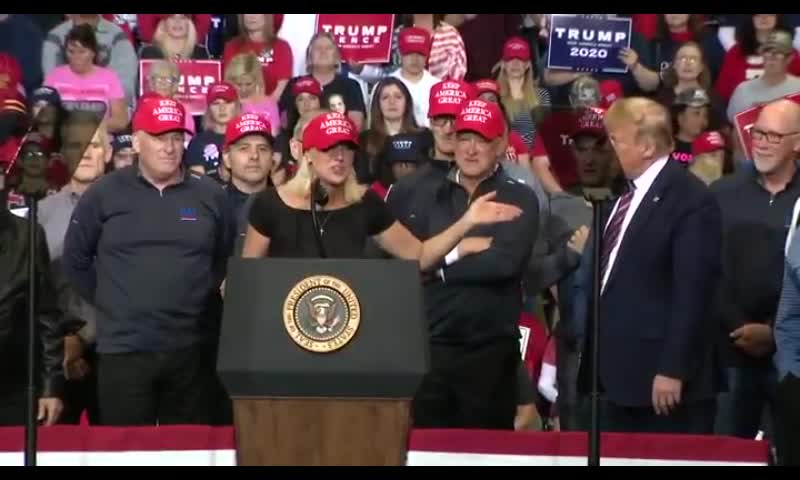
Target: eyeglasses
772, 137
687, 60
165, 80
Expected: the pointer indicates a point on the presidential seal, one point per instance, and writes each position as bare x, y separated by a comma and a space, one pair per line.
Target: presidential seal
321, 314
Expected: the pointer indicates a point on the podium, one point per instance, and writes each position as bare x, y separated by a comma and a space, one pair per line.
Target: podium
321, 358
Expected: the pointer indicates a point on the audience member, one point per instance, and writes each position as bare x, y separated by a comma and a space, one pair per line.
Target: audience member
112, 50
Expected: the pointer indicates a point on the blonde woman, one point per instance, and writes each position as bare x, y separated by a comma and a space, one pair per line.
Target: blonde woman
281, 223
259, 36
520, 94
175, 38
163, 78
245, 73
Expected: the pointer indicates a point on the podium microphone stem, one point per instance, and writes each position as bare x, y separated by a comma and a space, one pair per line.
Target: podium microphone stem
32, 403
594, 432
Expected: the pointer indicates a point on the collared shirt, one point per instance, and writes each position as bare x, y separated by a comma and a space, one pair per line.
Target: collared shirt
54, 214
642, 184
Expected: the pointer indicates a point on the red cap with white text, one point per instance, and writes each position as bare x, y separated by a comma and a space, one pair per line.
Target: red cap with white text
329, 129
222, 90
247, 124
414, 40
708, 142
157, 115
484, 118
447, 97
307, 84
516, 48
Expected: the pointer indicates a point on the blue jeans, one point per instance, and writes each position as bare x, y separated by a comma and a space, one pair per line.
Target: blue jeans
751, 390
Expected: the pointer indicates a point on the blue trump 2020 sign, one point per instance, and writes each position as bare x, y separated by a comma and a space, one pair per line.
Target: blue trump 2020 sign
588, 44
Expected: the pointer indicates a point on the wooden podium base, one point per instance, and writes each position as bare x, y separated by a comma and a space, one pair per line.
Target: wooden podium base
321, 431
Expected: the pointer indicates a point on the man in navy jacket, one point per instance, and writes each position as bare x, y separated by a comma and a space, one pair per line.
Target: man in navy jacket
660, 264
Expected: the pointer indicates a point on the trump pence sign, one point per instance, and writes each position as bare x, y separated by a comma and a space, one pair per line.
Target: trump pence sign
195, 78
362, 38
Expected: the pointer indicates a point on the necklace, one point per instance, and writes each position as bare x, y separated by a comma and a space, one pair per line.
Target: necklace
325, 222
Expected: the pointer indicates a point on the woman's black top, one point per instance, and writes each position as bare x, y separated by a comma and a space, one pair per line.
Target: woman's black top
345, 230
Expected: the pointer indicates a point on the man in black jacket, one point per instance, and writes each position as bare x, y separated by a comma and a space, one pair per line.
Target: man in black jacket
14, 256
474, 297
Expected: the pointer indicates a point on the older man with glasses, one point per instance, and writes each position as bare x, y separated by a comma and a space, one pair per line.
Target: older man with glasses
756, 207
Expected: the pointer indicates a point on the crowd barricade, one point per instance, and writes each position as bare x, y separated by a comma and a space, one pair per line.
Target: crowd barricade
215, 446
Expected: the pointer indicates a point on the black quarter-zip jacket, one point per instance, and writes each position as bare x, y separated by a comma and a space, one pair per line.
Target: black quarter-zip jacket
478, 298
150, 261
755, 225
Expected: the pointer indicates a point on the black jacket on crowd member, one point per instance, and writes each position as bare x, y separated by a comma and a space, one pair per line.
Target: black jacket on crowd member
755, 225
14, 254
478, 298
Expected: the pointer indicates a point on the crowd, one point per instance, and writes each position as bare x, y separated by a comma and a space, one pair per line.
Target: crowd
465, 152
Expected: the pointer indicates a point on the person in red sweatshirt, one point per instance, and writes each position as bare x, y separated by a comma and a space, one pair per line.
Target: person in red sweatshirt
258, 34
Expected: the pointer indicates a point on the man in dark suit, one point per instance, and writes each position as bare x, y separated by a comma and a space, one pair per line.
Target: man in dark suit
660, 264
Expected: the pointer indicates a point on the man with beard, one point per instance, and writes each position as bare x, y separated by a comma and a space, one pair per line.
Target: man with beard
757, 210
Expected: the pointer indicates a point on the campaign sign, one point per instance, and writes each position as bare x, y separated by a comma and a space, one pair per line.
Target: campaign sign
196, 77
362, 38
743, 121
588, 44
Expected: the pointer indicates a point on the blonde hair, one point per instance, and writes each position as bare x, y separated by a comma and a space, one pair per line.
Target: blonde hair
160, 37
651, 120
300, 184
530, 92
245, 64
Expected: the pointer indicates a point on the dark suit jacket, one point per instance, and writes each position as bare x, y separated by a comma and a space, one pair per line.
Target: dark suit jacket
655, 310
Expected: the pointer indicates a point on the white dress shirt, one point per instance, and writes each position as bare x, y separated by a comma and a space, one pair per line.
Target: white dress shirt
643, 184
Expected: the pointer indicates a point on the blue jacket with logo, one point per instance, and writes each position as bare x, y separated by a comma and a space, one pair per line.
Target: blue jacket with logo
150, 261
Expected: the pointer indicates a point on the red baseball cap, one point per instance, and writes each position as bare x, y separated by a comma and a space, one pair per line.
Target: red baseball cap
610, 92
329, 129
516, 48
447, 96
221, 90
708, 142
307, 84
157, 115
486, 85
244, 125
11, 100
414, 40
484, 118
10, 71
590, 122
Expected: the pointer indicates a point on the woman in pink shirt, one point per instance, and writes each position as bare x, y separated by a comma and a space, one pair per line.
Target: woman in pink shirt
245, 72
80, 80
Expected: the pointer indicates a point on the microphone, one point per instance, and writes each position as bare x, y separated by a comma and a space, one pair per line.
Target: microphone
319, 197
319, 193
